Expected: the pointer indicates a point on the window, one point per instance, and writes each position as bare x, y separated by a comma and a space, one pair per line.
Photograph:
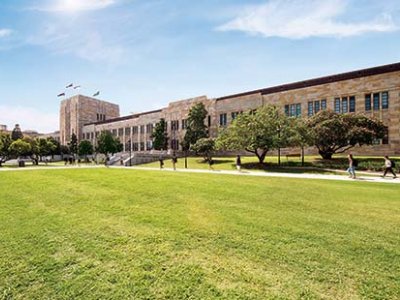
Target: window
141, 129
127, 131
287, 110
134, 129
141, 146
292, 110
135, 147
368, 102
98, 117
385, 100
352, 104
385, 140
298, 110
310, 108
174, 125
337, 105
376, 99
323, 104
114, 132
92, 135
317, 106
120, 132
184, 124
222, 120
149, 128
345, 105
149, 145
234, 115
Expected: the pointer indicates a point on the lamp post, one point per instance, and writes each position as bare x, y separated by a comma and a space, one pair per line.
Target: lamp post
130, 153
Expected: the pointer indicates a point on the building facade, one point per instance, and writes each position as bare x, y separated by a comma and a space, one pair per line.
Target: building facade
79, 110
373, 92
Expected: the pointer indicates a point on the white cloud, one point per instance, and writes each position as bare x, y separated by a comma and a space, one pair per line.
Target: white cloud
5, 32
72, 6
299, 19
29, 118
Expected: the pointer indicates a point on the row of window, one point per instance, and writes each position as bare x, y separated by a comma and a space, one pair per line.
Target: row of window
345, 104
376, 101
101, 117
293, 110
223, 118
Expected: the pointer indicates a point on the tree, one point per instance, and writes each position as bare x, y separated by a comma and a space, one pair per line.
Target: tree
20, 148
196, 128
16, 134
73, 144
302, 136
334, 133
257, 132
5, 142
160, 136
85, 148
34, 152
45, 147
57, 146
64, 149
106, 144
204, 147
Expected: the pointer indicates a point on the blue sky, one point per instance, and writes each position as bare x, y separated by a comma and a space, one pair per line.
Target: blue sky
143, 54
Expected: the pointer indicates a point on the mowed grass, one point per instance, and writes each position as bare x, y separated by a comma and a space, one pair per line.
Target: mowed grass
126, 234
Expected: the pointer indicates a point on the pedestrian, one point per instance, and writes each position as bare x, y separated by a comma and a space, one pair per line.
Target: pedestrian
161, 160
65, 161
121, 161
389, 165
353, 163
174, 161
238, 163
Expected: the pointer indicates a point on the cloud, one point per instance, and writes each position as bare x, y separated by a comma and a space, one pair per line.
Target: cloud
299, 19
73, 6
29, 118
5, 32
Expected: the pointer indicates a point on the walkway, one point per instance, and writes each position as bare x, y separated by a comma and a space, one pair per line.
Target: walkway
376, 179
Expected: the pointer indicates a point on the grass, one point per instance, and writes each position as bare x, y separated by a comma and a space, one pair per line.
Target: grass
126, 234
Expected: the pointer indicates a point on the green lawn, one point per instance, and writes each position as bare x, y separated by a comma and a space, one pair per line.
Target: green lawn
126, 234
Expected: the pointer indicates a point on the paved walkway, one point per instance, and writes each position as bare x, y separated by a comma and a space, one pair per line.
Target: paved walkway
361, 178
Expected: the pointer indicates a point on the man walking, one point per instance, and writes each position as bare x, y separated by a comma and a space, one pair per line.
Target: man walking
174, 161
389, 167
238, 163
353, 163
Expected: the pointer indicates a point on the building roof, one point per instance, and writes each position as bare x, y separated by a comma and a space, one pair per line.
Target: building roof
321, 80
129, 117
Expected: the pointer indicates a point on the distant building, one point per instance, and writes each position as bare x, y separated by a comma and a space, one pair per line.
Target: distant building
373, 92
79, 110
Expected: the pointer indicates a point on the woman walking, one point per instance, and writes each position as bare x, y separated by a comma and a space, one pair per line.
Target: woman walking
389, 167
352, 166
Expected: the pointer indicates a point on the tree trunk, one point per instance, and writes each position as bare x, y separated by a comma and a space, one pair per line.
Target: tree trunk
325, 155
261, 156
302, 156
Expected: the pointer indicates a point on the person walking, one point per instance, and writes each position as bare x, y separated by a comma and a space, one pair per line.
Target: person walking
174, 161
389, 167
161, 160
238, 163
352, 166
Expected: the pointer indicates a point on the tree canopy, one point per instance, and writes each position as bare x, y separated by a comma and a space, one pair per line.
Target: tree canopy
73, 144
196, 127
16, 134
160, 136
107, 143
204, 147
333, 133
85, 148
20, 148
257, 132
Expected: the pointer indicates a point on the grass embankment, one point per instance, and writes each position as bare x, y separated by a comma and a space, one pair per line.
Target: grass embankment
119, 234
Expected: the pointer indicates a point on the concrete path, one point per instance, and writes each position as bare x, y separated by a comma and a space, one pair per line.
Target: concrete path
361, 178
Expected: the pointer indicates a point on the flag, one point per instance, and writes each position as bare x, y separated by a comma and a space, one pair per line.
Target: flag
69, 85
60, 95
96, 94
77, 87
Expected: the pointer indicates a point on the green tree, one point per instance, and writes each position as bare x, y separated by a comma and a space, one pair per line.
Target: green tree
107, 144
45, 147
302, 136
204, 147
5, 142
73, 144
196, 128
85, 148
34, 152
334, 133
57, 146
257, 132
160, 136
16, 134
20, 148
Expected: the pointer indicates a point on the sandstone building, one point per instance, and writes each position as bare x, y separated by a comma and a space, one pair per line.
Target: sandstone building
79, 110
374, 92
